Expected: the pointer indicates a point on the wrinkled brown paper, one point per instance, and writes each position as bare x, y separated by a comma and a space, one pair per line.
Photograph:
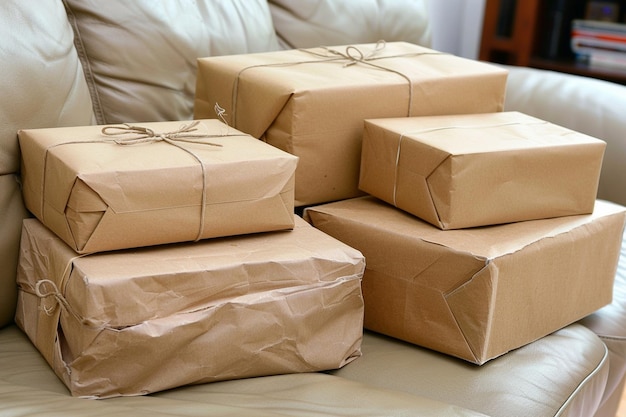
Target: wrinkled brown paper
312, 103
140, 321
477, 293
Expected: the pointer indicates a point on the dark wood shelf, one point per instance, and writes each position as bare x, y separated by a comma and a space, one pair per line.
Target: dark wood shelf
527, 39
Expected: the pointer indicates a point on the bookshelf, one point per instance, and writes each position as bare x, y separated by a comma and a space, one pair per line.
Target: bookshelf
536, 33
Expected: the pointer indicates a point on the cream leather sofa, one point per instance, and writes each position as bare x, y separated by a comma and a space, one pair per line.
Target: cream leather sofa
134, 61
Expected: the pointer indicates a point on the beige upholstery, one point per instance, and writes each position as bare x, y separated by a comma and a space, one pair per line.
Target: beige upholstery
135, 61
587, 105
537, 381
42, 79
310, 23
140, 60
42, 85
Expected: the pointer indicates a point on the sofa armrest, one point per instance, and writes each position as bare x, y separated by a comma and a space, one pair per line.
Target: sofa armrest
587, 105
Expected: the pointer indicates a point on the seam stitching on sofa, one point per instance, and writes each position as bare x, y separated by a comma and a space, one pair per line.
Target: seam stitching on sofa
583, 383
87, 71
616, 338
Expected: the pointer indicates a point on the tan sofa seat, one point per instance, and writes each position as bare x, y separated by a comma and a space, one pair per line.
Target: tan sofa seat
561, 375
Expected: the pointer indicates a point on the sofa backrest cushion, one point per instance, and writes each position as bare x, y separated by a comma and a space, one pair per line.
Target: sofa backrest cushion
587, 105
140, 56
42, 80
42, 86
311, 23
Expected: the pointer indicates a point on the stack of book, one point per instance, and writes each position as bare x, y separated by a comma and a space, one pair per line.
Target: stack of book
600, 44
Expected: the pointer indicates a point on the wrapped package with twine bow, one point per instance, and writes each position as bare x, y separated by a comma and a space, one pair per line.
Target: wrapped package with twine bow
139, 321
312, 102
462, 171
116, 187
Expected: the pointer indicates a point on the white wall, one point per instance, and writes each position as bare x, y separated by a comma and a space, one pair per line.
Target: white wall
457, 26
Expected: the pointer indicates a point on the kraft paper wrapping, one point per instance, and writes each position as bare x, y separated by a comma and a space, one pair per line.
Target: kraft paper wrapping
140, 321
312, 103
477, 293
464, 171
98, 194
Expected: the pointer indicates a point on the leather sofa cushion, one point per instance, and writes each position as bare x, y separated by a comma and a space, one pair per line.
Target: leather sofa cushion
29, 387
587, 105
562, 374
42, 80
140, 56
42, 86
311, 23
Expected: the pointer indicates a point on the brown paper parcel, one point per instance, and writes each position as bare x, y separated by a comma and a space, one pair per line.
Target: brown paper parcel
476, 170
134, 322
312, 103
100, 195
477, 293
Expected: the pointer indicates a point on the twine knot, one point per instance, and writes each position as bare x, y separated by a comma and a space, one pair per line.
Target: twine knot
182, 134
220, 112
355, 55
60, 300
54, 291
145, 134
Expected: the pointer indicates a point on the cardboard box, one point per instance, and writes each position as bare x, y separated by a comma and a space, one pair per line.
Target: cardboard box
477, 293
98, 194
139, 321
312, 102
476, 170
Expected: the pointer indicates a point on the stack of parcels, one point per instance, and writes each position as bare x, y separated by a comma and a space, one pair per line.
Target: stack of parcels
482, 233
266, 294
312, 102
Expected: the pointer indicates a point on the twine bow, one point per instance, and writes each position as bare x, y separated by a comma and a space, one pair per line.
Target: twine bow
355, 55
145, 134
183, 134
53, 291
